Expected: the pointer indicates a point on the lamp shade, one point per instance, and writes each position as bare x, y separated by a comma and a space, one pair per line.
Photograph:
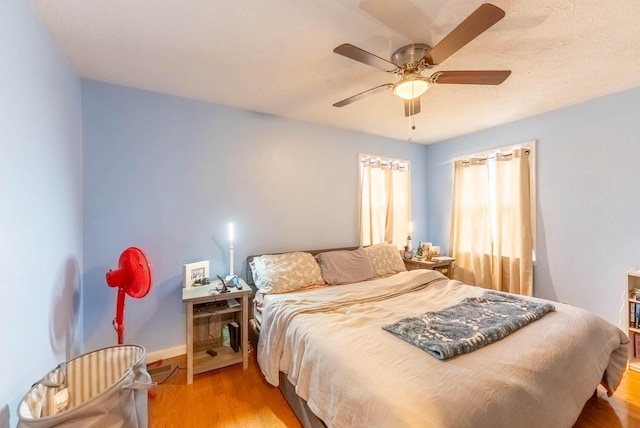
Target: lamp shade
411, 87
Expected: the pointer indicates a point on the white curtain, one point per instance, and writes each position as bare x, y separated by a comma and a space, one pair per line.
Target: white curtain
385, 202
471, 222
491, 222
513, 242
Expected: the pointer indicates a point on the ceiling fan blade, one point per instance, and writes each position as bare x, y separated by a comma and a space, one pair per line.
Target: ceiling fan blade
356, 97
411, 107
474, 77
360, 55
475, 24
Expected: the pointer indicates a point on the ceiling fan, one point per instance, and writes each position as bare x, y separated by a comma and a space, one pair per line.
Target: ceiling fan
410, 63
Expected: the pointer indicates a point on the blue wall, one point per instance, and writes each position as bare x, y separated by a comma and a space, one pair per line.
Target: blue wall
588, 188
40, 204
168, 174
114, 167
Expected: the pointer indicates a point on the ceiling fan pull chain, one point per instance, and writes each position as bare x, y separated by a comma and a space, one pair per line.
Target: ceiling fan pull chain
413, 110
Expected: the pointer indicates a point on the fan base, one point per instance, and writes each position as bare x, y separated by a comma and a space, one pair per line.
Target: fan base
409, 54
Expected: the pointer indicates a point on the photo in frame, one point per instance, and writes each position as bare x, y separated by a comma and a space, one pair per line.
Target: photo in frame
195, 272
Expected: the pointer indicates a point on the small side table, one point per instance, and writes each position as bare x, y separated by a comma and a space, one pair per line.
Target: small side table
203, 302
444, 266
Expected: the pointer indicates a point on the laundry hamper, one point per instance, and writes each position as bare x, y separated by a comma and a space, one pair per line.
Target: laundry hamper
106, 388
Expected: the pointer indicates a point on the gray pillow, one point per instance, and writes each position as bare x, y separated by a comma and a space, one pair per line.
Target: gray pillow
344, 266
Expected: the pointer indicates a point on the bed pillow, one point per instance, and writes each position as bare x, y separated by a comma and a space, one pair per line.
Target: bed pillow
281, 273
344, 266
385, 259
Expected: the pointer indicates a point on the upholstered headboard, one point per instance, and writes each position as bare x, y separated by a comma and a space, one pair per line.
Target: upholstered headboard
249, 277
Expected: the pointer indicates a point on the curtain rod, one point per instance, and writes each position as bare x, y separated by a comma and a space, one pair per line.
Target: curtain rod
385, 163
502, 155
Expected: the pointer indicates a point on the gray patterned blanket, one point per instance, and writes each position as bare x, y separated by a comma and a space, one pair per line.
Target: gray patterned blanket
468, 325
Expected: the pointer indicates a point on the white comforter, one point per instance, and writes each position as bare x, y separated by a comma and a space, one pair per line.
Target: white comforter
331, 345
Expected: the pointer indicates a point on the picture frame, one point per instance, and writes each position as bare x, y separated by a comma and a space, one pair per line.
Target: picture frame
425, 244
194, 271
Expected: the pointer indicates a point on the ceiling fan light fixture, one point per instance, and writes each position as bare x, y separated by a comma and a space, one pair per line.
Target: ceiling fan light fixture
411, 87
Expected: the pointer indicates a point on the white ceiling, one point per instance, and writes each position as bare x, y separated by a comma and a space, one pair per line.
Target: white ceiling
277, 57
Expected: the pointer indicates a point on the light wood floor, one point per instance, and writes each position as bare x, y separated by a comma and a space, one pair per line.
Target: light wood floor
233, 397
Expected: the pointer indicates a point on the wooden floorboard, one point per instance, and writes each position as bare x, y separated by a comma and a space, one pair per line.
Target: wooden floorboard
233, 397
227, 397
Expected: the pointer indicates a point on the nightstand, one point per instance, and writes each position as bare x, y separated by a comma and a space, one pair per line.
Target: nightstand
208, 312
444, 265
633, 281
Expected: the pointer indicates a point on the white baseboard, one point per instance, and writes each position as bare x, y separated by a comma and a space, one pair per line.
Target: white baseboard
164, 354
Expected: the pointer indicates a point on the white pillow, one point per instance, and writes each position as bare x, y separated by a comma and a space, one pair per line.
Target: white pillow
281, 273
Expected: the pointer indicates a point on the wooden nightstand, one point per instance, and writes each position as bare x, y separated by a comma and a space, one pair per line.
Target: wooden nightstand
444, 266
207, 313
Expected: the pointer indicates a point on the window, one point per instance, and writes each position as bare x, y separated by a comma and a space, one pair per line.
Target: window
385, 200
493, 219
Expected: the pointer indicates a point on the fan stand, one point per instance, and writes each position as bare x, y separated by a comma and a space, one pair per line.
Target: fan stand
118, 321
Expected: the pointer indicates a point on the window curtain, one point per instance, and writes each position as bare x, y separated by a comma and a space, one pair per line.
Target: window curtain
385, 210
513, 243
471, 223
491, 222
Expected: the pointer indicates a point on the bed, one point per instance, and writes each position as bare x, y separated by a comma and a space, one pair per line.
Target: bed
327, 344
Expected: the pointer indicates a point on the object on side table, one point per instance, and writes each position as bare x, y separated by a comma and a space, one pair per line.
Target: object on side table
443, 259
231, 236
234, 335
408, 254
195, 273
226, 339
223, 285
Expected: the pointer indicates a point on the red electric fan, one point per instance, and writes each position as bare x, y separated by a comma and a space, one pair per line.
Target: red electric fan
132, 277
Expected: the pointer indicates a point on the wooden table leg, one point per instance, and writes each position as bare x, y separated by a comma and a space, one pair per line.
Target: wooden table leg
189, 343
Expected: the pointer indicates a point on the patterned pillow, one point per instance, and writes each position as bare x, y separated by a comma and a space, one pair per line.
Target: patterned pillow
281, 273
385, 259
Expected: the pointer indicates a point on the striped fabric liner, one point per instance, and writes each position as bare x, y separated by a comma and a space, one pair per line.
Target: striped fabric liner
86, 377
90, 375
36, 403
